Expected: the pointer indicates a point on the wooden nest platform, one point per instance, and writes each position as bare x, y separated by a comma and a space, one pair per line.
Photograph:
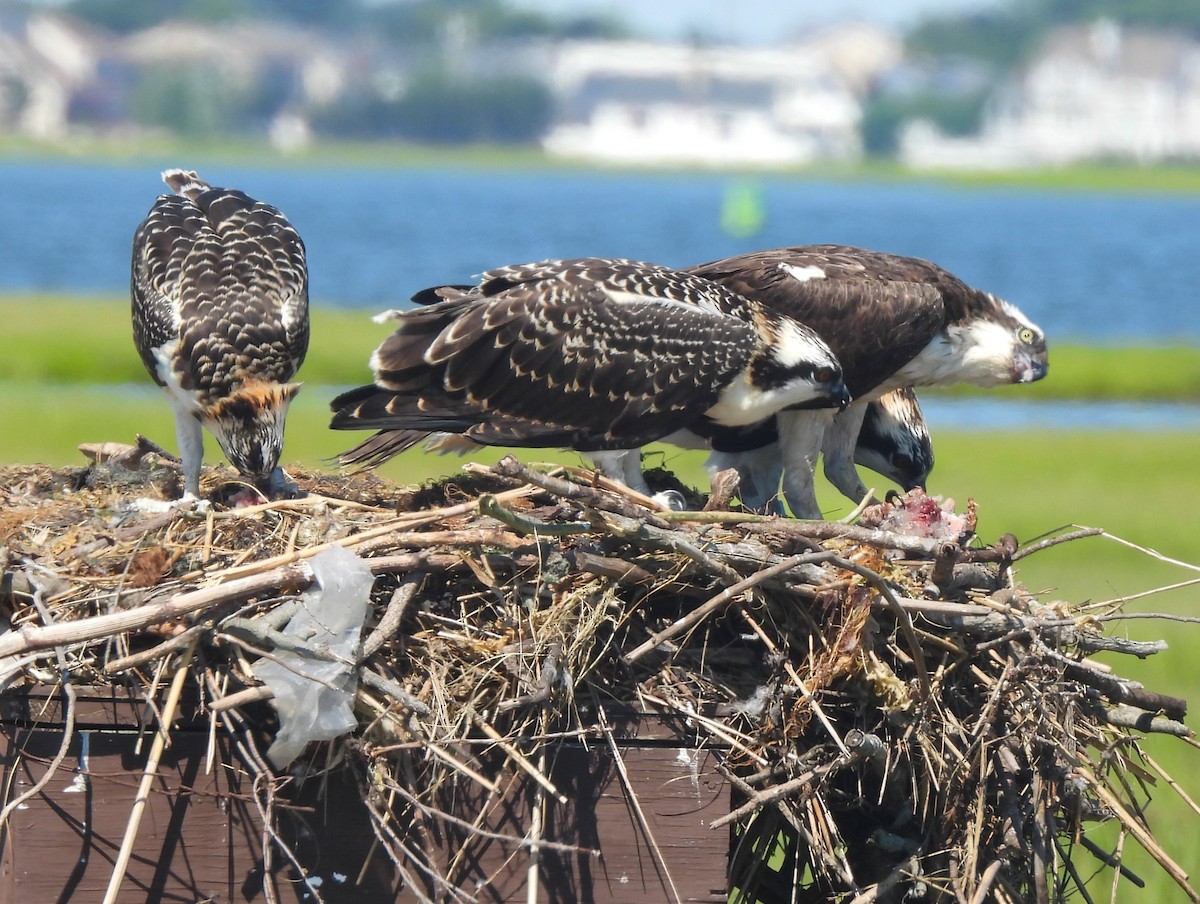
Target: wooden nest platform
559, 693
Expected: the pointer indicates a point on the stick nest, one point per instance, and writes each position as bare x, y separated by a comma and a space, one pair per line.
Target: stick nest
893, 712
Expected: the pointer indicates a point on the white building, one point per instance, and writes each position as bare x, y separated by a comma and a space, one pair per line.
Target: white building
644, 103
42, 64
1099, 91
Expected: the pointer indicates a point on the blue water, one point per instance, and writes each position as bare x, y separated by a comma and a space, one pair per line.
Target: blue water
1011, 413
1091, 267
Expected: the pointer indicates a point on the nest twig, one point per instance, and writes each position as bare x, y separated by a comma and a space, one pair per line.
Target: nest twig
883, 697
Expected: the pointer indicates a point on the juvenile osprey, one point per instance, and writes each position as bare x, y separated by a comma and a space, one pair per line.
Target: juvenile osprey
593, 354
220, 319
894, 441
893, 322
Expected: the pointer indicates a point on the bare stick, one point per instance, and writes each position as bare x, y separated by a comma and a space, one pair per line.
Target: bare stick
390, 623
178, 642
490, 506
1140, 832
537, 822
1139, 720
364, 538
862, 506
890, 881
1174, 784
802, 783
702, 611
1154, 554
986, 881
577, 492
149, 774
296, 576
527, 767
1055, 541
29, 637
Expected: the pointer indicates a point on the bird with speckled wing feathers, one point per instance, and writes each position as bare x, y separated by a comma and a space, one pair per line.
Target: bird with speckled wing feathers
894, 322
220, 318
593, 354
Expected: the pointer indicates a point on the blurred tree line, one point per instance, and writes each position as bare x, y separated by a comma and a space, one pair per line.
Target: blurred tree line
438, 95
438, 100
411, 22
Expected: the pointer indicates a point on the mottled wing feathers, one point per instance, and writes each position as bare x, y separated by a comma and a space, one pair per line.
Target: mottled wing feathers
226, 277
876, 310
588, 354
617, 278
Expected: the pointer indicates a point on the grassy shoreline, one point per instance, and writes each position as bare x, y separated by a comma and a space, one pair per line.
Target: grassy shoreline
152, 150
70, 340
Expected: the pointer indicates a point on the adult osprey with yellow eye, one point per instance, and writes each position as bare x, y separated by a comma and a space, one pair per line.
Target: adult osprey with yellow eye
893, 322
594, 354
220, 319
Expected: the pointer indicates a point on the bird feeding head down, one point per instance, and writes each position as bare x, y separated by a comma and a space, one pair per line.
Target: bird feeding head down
894, 440
248, 425
219, 286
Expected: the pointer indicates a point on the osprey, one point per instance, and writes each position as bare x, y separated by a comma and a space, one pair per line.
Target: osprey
894, 441
893, 322
220, 319
593, 354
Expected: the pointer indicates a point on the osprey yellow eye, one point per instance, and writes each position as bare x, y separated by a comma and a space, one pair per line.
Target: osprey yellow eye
1025, 335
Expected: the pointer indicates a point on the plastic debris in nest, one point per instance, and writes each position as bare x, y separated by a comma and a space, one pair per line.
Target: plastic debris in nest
315, 696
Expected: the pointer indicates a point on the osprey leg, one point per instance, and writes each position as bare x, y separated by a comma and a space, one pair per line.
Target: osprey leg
190, 437
623, 466
759, 474
838, 451
800, 436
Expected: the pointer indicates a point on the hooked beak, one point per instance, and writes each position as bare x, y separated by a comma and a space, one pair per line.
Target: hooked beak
837, 397
1029, 368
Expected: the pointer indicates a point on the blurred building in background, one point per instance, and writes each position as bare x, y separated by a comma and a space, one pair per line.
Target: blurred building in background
1099, 91
1088, 91
635, 102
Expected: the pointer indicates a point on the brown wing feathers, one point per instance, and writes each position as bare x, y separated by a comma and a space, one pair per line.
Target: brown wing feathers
542, 356
876, 310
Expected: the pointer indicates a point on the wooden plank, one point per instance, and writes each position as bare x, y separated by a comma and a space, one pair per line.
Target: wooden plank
96, 706
201, 836
678, 792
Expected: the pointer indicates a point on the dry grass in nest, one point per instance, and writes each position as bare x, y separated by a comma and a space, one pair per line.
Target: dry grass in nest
895, 714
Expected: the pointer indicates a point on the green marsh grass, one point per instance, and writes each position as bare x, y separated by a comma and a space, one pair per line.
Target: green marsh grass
159, 151
59, 339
